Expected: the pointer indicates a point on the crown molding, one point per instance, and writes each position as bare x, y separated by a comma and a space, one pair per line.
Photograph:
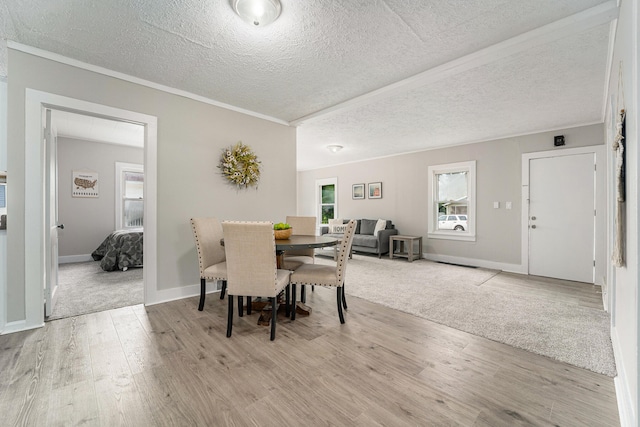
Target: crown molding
122, 76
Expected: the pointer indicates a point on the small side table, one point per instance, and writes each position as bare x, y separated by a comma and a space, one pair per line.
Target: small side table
406, 247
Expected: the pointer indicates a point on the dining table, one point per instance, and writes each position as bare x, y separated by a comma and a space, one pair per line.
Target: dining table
298, 241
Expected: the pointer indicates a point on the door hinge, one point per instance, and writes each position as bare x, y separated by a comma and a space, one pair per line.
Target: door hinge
594, 262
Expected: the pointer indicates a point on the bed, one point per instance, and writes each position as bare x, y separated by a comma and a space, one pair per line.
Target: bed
121, 250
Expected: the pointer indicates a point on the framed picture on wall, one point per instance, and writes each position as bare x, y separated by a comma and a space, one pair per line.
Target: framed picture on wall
375, 190
357, 191
84, 184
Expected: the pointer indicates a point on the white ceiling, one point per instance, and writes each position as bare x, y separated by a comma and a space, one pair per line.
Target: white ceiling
379, 77
88, 128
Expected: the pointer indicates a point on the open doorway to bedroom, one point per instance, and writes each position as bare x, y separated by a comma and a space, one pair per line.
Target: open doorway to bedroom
100, 202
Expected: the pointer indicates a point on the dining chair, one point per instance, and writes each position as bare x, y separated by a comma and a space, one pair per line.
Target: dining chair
251, 266
211, 255
327, 275
306, 226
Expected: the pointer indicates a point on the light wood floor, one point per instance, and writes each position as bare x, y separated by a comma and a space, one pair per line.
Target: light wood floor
169, 364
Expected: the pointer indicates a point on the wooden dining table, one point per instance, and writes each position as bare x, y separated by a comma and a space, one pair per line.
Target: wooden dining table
301, 242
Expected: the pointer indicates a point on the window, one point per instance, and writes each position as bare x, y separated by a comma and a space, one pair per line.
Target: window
452, 201
327, 197
129, 195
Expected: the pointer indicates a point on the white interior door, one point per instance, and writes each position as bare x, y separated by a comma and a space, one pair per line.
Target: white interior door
562, 217
51, 209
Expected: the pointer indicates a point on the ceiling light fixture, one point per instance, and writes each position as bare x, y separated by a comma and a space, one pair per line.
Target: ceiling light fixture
334, 148
257, 12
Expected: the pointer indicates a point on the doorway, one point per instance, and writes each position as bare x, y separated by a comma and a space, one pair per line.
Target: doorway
561, 195
92, 147
36, 249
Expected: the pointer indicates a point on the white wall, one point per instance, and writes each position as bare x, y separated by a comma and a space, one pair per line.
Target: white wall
3, 167
623, 282
87, 221
191, 136
3, 123
404, 187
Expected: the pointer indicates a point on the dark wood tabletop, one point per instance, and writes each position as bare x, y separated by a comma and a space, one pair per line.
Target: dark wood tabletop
304, 242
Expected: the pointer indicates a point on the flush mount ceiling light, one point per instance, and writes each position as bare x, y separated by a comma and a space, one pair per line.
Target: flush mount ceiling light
334, 148
257, 12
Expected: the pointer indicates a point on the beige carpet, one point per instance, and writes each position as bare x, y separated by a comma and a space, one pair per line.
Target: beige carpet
454, 296
84, 287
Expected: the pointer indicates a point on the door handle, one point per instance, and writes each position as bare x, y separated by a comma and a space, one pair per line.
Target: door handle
61, 226
533, 218
533, 226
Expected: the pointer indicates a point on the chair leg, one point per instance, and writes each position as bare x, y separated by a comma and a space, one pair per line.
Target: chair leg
339, 293
240, 308
313, 288
303, 293
344, 299
287, 296
274, 315
224, 289
203, 292
288, 306
248, 305
293, 302
230, 316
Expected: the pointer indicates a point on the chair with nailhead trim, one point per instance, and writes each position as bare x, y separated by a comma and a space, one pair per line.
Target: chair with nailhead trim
327, 275
252, 267
211, 255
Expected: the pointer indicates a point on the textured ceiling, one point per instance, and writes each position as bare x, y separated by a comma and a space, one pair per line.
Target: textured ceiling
97, 129
378, 77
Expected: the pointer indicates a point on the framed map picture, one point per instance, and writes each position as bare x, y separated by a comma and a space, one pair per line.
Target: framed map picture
84, 184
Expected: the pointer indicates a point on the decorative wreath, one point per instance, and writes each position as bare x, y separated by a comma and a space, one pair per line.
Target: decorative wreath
240, 165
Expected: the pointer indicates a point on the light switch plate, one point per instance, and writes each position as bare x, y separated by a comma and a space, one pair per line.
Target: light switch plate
496, 205
508, 205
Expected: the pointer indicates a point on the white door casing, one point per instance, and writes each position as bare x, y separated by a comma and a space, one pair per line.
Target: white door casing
35, 213
51, 221
561, 217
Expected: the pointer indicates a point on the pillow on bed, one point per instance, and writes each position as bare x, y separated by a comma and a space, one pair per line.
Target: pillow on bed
337, 226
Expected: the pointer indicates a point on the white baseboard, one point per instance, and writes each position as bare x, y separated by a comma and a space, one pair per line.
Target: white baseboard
473, 262
623, 394
166, 295
74, 258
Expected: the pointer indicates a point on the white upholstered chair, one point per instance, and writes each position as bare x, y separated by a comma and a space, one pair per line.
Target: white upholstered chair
305, 226
251, 266
327, 275
211, 255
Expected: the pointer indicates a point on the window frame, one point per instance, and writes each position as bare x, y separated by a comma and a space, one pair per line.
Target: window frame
432, 213
121, 168
319, 184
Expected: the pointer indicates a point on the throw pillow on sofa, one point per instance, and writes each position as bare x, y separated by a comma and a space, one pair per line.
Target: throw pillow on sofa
337, 226
380, 225
368, 226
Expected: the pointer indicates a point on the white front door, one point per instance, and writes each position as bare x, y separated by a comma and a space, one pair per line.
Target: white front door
562, 217
51, 225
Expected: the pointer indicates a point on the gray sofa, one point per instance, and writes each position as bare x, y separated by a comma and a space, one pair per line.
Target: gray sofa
363, 238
